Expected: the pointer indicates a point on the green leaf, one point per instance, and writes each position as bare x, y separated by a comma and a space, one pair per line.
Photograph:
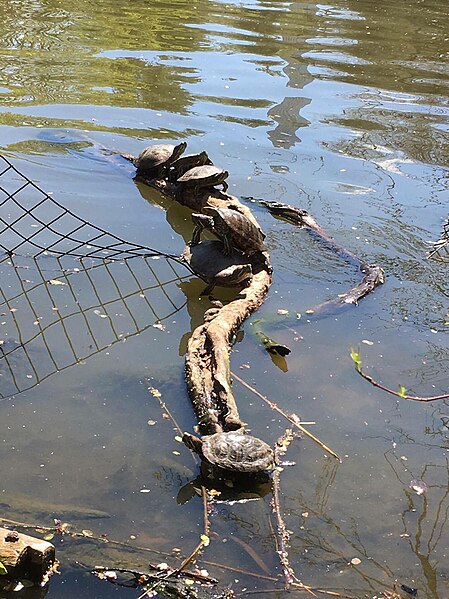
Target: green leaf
355, 355
402, 391
49, 536
3, 570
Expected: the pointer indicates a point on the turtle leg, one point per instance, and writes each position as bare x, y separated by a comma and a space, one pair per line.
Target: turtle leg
227, 248
196, 235
225, 186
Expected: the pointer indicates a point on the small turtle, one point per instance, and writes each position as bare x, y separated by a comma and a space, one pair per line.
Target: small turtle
233, 451
202, 176
185, 163
208, 262
154, 161
234, 229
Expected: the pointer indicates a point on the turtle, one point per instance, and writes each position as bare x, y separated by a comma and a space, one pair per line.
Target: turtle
202, 176
234, 229
232, 451
207, 260
153, 161
185, 163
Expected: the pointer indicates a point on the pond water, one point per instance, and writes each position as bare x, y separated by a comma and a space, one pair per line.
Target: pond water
340, 109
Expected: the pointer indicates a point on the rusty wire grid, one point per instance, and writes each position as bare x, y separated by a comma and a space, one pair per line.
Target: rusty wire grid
440, 248
69, 289
33, 223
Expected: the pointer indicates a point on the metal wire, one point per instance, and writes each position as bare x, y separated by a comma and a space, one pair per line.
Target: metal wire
70, 289
24, 205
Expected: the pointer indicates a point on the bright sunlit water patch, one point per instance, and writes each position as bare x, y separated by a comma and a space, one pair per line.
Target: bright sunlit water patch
338, 109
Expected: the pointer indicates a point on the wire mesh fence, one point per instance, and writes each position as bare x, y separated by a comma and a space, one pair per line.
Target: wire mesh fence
34, 223
440, 248
70, 289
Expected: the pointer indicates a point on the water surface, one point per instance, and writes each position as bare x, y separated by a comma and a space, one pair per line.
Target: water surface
338, 109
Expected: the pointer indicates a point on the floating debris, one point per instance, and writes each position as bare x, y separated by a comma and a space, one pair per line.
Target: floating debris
419, 486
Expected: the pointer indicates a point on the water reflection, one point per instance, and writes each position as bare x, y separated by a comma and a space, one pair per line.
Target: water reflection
338, 108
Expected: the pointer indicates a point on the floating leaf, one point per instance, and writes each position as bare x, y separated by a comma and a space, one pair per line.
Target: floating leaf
409, 590
367, 342
87, 533
56, 282
213, 493
178, 438
49, 536
402, 391
205, 540
356, 561
282, 312
419, 486
154, 392
355, 355
272, 346
3, 570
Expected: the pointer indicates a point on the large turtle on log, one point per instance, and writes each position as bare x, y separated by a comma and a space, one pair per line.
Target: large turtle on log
180, 166
153, 162
208, 262
235, 230
201, 177
233, 451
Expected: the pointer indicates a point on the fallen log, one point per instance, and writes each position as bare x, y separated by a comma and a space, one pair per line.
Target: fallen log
208, 352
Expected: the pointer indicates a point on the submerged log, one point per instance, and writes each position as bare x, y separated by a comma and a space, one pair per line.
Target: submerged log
208, 353
25, 557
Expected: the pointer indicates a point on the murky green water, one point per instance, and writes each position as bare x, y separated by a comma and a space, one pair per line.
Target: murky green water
339, 109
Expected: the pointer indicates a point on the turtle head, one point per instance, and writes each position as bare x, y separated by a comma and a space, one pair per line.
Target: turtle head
193, 443
203, 158
178, 150
203, 220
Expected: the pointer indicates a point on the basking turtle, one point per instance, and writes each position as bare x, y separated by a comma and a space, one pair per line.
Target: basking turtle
202, 176
153, 162
233, 451
234, 229
185, 163
208, 261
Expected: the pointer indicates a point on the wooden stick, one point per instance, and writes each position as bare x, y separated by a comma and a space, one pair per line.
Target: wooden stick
373, 275
283, 535
292, 418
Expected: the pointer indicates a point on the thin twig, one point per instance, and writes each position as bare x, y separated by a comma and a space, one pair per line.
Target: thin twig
204, 542
292, 418
401, 393
155, 393
283, 535
159, 576
206, 530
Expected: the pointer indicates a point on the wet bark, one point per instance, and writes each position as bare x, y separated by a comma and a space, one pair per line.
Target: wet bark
25, 557
208, 373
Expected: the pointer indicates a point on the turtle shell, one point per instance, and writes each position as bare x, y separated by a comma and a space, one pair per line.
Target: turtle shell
180, 166
207, 260
242, 233
204, 176
158, 155
239, 452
